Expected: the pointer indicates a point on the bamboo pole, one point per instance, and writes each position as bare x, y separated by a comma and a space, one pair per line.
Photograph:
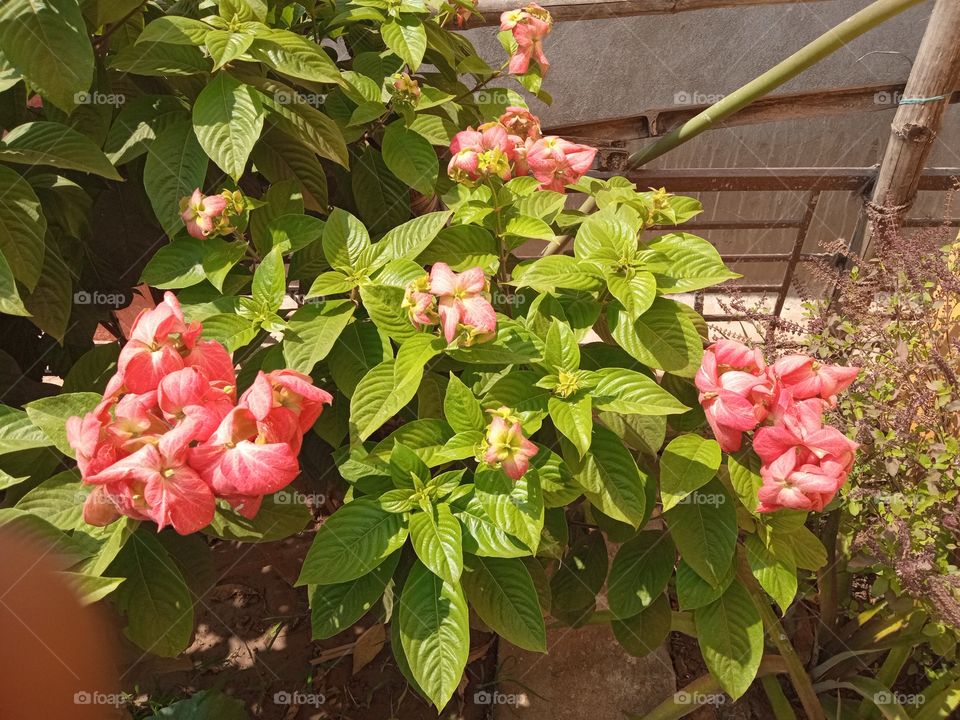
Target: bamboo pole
828, 43
918, 119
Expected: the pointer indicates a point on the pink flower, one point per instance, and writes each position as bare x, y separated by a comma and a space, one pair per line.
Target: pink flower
162, 486
199, 212
521, 123
556, 162
807, 378
462, 300
478, 154
733, 400
529, 27
732, 355
506, 446
420, 305
158, 341
801, 427
788, 484
286, 401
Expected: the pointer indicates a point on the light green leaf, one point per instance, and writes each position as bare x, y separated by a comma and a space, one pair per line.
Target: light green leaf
406, 37
629, 392
611, 479
663, 337
435, 536
227, 119
461, 407
225, 46
635, 293
270, 280
47, 42
313, 331
278, 156
294, 55
574, 419
89, 588
176, 165
174, 30
22, 229
410, 157
640, 572
687, 464
17, 432
335, 608
559, 271
730, 633
743, 467
409, 239
281, 515
434, 633
483, 537
352, 542
344, 240
516, 507
688, 263
704, 529
177, 265
50, 415
502, 593
58, 500
160, 60
50, 143
230, 330
776, 573
694, 592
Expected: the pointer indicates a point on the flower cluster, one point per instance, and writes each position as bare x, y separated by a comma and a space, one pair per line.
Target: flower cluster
804, 461
211, 215
529, 26
505, 446
170, 436
513, 147
459, 302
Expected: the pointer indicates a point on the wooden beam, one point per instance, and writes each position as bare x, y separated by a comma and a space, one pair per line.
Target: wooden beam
919, 117
773, 108
566, 10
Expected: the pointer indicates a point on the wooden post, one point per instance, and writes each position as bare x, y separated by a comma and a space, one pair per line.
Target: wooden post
918, 119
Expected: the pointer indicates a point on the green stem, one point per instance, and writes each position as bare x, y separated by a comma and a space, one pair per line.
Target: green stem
829, 42
782, 710
776, 633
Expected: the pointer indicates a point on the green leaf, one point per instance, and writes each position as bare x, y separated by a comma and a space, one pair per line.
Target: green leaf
176, 165
335, 608
220, 259
138, 124
18, 433
174, 30
58, 500
177, 265
743, 467
611, 479
435, 536
524, 226
227, 119
47, 42
89, 588
629, 392
313, 331
352, 542
410, 157
688, 263
407, 39
730, 633
154, 596
461, 407
231, 331
481, 536
359, 349
502, 593
295, 230
463, 247
294, 55
92, 370
694, 592
270, 281
605, 235
643, 633
281, 515
776, 573
559, 271
382, 199
663, 337
409, 239
204, 705
22, 229
434, 633
688, 463
580, 576
640, 572
574, 419
301, 120
50, 143
51, 301
704, 529
160, 60
808, 552
516, 507
10, 300
635, 293
280, 157
344, 239
50, 415
561, 351
225, 46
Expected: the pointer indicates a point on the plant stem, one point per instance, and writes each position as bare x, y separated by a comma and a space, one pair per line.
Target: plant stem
778, 701
798, 674
829, 42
